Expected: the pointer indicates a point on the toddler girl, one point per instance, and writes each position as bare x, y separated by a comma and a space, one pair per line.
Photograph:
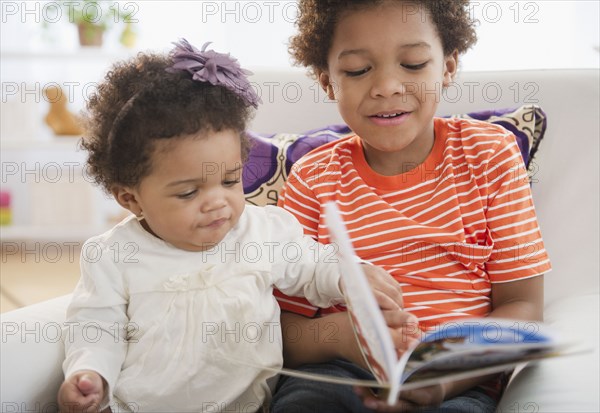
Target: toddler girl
176, 295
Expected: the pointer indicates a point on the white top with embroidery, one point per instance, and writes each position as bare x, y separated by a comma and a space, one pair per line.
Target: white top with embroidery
164, 326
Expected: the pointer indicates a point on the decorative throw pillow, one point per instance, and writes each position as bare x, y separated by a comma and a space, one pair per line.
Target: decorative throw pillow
272, 156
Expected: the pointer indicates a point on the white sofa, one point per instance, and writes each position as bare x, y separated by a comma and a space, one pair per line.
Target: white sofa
566, 197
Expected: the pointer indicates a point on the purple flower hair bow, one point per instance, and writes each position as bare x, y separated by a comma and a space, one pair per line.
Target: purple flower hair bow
215, 68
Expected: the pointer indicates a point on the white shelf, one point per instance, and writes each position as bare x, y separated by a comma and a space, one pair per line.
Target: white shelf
54, 142
82, 54
40, 194
48, 234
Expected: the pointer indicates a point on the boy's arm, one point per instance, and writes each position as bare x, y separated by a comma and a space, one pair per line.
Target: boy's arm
316, 340
518, 300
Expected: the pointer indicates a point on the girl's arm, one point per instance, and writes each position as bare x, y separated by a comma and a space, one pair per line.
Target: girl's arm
96, 320
315, 340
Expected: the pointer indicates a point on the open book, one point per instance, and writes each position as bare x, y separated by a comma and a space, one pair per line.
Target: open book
456, 350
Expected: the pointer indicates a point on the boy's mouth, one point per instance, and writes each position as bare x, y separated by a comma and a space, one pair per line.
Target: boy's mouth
391, 118
389, 115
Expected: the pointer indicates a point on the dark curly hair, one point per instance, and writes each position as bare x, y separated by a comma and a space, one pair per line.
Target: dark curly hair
317, 20
138, 103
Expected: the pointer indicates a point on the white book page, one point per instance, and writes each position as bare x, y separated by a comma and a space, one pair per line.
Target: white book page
373, 334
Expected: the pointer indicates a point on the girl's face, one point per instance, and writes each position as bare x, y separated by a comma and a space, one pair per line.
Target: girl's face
193, 195
386, 69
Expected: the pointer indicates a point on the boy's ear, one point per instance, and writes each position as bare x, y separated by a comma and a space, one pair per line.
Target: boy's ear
126, 197
450, 67
325, 82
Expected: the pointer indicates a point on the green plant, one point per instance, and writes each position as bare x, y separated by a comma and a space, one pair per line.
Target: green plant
100, 13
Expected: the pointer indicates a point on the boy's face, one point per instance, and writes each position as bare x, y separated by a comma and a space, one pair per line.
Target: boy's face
386, 68
193, 195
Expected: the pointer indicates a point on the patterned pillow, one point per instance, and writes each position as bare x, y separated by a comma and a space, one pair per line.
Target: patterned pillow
272, 156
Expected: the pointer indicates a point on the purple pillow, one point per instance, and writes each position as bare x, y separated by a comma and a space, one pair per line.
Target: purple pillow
272, 156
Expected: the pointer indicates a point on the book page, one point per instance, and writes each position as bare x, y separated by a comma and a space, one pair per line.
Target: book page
370, 327
474, 343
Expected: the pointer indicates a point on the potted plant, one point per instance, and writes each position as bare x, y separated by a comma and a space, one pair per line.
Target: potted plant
92, 18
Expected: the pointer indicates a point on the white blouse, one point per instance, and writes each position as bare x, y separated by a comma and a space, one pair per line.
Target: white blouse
164, 326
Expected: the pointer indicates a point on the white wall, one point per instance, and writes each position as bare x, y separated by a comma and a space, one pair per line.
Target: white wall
512, 34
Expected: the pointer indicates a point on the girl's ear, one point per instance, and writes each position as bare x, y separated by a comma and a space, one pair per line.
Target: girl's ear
450, 67
127, 198
325, 82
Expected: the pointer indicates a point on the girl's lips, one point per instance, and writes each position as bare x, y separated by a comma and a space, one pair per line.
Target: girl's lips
216, 223
389, 118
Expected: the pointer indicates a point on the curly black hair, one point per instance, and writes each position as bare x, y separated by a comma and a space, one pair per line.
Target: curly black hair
317, 20
138, 103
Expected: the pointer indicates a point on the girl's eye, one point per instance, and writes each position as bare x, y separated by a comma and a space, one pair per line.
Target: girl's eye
356, 73
415, 67
187, 195
231, 183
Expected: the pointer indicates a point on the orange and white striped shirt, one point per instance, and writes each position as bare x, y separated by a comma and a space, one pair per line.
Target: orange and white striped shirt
446, 230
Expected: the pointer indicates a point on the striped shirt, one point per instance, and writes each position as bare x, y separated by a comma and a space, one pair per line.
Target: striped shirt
446, 229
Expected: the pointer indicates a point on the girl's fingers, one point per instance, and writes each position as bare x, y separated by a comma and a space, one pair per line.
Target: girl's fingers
387, 303
387, 290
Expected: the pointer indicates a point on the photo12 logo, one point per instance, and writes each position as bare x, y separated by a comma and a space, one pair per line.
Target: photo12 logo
93, 12
249, 11
494, 11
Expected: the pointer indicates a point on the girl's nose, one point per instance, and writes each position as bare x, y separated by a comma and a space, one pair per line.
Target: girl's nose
214, 200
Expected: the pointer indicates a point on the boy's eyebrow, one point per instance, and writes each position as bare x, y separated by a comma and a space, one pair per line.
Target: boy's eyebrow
195, 180
365, 51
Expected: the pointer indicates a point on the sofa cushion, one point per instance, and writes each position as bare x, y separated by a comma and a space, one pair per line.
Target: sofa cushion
272, 156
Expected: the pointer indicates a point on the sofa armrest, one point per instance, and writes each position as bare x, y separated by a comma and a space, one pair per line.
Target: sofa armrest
32, 353
563, 384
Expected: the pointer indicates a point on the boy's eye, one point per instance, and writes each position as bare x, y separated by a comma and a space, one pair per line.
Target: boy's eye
187, 195
415, 67
356, 73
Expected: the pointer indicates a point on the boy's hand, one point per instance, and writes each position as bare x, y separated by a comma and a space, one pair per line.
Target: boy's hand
409, 401
82, 392
403, 326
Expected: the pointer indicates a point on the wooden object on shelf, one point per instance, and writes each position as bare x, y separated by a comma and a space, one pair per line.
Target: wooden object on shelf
59, 118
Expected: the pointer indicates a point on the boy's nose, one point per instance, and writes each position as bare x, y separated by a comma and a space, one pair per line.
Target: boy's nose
387, 84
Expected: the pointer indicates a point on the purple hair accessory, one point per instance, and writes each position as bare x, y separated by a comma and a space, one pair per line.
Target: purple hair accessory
215, 68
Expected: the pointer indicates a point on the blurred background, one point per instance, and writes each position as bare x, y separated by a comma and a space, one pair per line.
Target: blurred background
54, 53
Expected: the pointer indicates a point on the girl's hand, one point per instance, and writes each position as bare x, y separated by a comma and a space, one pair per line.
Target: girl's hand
82, 392
403, 326
409, 401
